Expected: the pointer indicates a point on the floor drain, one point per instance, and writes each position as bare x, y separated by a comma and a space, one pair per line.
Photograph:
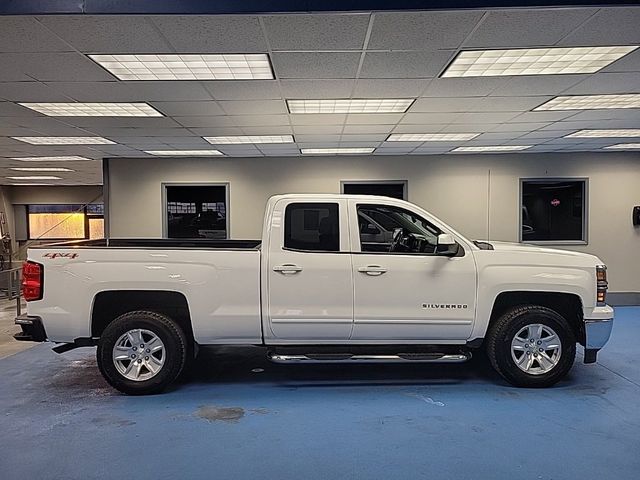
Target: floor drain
258, 370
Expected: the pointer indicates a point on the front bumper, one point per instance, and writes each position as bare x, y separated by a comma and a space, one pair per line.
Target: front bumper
32, 329
597, 331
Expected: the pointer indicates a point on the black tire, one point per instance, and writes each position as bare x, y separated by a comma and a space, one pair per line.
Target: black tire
502, 332
175, 343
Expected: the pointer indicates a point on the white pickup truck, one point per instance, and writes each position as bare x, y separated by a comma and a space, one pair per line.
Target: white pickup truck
336, 278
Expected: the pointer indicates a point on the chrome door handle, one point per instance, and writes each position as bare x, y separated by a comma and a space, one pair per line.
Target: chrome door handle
373, 270
287, 268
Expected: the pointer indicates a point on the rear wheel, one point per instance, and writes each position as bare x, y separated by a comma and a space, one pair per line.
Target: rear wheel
141, 352
531, 346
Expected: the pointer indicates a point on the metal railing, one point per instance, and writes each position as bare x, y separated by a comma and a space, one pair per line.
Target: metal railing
10, 285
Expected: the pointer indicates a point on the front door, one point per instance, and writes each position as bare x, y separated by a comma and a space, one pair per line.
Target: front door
402, 290
310, 289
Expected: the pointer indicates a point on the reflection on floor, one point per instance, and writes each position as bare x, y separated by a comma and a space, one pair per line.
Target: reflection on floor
239, 417
8, 346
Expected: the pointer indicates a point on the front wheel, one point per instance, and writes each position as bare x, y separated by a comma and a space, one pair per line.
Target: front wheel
141, 353
531, 346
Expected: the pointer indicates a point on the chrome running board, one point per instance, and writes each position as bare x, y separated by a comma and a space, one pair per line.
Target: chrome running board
348, 358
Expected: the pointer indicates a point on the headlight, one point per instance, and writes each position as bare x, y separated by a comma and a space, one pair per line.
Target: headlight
601, 284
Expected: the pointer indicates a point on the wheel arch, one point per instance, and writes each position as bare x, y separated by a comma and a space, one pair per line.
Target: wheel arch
110, 304
568, 305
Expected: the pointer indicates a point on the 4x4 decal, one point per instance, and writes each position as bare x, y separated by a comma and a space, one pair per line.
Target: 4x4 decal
53, 255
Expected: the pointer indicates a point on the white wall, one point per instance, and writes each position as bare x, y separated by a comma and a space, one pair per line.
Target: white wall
476, 194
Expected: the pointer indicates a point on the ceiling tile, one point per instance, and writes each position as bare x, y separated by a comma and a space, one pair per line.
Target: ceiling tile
267, 130
444, 104
538, 85
30, 92
316, 64
253, 107
100, 122
526, 28
507, 104
464, 87
316, 31
405, 64
8, 109
372, 137
317, 129
519, 127
481, 118
628, 63
348, 129
26, 34
479, 127
547, 116
217, 131
53, 67
418, 128
383, 88
189, 108
607, 83
316, 89
107, 33
212, 33
258, 120
204, 121
610, 26
422, 30
117, 91
430, 118
311, 138
242, 89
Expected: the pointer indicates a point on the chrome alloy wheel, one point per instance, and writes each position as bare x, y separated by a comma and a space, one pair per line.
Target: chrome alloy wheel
139, 355
536, 349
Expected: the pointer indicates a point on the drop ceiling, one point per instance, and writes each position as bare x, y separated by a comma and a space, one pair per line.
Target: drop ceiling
392, 55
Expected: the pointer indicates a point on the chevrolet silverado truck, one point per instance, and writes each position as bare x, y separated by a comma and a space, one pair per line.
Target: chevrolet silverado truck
335, 278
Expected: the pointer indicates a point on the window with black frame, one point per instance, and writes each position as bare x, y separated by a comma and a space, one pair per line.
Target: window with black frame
312, 227
553, 211
196, 211
65, 222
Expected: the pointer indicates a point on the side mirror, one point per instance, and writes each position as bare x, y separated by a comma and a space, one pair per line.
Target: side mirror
447, 246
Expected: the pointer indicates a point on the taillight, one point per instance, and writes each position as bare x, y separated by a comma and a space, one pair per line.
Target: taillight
602, 284
32, 281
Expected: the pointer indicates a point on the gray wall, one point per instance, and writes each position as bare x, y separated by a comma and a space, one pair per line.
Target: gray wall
476, 194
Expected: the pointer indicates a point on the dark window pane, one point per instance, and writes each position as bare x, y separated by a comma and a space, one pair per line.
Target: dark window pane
312, 226
197, 212
553, 210
95, 209
56, 208
393, 190
378, 223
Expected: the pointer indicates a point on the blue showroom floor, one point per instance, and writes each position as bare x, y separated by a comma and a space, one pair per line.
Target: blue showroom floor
59, 420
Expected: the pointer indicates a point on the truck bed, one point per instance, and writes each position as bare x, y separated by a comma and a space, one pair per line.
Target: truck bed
162, 243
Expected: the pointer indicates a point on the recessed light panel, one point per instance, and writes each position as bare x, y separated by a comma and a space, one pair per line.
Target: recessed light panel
608, 133
184, 153
36, 177
93, 109
65, 140
534, 61
63, 158
362, 105
41, 169
624, 146
252, 139
430, 137
493, 148
336, 151
592, 102
255, 66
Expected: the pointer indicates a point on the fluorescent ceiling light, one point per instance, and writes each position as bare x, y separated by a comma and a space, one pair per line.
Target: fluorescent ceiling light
592, 102
363, 105
187, 67
336, 151
242, 139
608, 133
36, 177
94, 109
624, 146
493, 148
430, 137
64, 158
41, 169
31, 184
184, 153
534, 61
65, 140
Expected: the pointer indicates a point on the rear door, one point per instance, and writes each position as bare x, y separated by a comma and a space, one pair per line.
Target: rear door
309, 274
